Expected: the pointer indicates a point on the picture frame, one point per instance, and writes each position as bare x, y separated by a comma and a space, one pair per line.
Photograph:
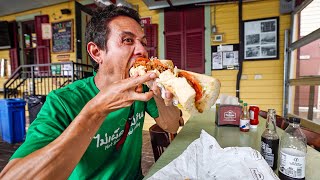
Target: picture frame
261, 39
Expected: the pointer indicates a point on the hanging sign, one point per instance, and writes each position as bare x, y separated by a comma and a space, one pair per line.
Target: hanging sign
145, 20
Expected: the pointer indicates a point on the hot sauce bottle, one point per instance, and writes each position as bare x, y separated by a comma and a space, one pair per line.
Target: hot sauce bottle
244, 119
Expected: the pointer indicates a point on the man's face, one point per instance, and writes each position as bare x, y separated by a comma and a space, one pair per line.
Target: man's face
125, 43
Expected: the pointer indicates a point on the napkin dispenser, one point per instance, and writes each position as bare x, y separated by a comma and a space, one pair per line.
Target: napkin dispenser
227, 114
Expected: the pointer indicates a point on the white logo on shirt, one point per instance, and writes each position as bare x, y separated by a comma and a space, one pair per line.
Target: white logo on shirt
111, 140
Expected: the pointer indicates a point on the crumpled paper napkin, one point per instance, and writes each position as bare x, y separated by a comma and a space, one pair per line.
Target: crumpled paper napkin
205, 159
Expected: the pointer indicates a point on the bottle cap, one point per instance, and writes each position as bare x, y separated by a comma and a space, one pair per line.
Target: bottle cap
272, 111
240, 101
294, 120
245, 104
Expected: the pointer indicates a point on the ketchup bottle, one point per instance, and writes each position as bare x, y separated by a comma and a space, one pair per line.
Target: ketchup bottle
254, 116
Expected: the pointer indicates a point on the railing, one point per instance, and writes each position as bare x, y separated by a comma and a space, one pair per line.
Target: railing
40, 79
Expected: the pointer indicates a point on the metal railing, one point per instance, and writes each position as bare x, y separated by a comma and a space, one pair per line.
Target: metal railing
40, 79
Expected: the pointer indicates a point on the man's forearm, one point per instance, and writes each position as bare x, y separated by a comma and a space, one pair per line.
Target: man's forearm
169, 116
60, 157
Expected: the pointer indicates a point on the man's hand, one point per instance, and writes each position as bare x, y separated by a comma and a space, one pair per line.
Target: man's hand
158, 92
123, 93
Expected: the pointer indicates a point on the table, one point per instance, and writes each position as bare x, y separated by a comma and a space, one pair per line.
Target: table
226, 137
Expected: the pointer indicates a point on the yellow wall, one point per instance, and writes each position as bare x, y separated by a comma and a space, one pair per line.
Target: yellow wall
54, 16
145, 12
268, 91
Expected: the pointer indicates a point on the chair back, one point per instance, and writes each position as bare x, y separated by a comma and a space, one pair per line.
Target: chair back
160, 140
281, 122
313, 138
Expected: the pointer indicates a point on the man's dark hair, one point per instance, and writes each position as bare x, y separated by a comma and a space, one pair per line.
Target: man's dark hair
97, 29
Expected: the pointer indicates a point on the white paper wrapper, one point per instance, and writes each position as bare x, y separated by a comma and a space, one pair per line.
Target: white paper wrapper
205, 159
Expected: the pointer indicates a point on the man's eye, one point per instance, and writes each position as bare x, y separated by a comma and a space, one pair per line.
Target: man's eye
144, 44
128, 40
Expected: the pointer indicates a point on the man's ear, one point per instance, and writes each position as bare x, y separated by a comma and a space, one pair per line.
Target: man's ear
94, 51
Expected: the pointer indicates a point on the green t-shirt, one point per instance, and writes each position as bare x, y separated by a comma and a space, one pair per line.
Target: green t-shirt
101, 160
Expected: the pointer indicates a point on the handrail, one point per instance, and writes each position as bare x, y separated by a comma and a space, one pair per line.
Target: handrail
42, 78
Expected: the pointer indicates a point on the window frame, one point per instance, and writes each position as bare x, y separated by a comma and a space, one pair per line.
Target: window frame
290, 81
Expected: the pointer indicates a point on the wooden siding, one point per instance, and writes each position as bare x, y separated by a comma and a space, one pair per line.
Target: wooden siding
266, 92
54, 16
226, 22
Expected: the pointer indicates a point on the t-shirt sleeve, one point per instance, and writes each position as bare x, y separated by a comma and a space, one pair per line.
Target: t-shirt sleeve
151, 106
51, 121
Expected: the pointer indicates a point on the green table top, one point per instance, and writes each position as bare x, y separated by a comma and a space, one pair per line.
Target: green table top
226, 137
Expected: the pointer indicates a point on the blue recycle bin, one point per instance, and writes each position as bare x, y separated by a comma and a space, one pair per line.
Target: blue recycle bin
12, 120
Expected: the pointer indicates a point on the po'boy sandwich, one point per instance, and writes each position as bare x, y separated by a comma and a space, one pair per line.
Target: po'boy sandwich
192, 92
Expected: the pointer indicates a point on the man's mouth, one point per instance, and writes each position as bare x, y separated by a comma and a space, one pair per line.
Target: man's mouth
131, 63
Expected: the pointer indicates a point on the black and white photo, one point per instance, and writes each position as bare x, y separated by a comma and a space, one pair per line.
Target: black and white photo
253, 51
268, 38
268, 26
261, 39
268, 51
230, 59
217, 60
253, 39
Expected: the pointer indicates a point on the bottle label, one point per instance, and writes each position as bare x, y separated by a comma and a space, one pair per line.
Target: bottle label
292, 163
244, 124
269, 150
251, 114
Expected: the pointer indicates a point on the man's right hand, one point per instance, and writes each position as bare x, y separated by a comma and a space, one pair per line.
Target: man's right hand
122, 93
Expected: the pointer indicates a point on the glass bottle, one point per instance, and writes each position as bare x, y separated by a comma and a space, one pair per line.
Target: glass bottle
270, 140
241, 103
244, 119
293, 150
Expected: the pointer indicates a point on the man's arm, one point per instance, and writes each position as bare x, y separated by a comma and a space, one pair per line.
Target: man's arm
169, 116
59, 158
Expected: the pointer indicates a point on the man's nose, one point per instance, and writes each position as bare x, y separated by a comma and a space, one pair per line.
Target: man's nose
140, 50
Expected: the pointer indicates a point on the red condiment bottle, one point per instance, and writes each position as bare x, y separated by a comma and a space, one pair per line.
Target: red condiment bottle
254, 116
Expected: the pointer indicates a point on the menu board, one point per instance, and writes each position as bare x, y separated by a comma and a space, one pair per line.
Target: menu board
62, 36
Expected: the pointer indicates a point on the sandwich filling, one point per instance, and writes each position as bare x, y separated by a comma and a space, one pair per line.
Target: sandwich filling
143, 65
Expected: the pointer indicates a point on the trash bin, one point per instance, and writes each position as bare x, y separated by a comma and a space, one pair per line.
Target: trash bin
13, 120
35, 102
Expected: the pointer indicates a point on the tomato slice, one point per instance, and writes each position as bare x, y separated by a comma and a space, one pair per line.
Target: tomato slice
193, 82
141, 61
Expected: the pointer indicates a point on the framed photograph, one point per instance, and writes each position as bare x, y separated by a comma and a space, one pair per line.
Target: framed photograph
261, 39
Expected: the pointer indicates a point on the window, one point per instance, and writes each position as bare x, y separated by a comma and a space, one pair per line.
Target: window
303, 95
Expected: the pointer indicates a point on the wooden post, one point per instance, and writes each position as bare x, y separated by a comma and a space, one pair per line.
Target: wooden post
311, 102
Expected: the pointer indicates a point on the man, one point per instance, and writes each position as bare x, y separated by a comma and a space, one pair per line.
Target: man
80, 132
